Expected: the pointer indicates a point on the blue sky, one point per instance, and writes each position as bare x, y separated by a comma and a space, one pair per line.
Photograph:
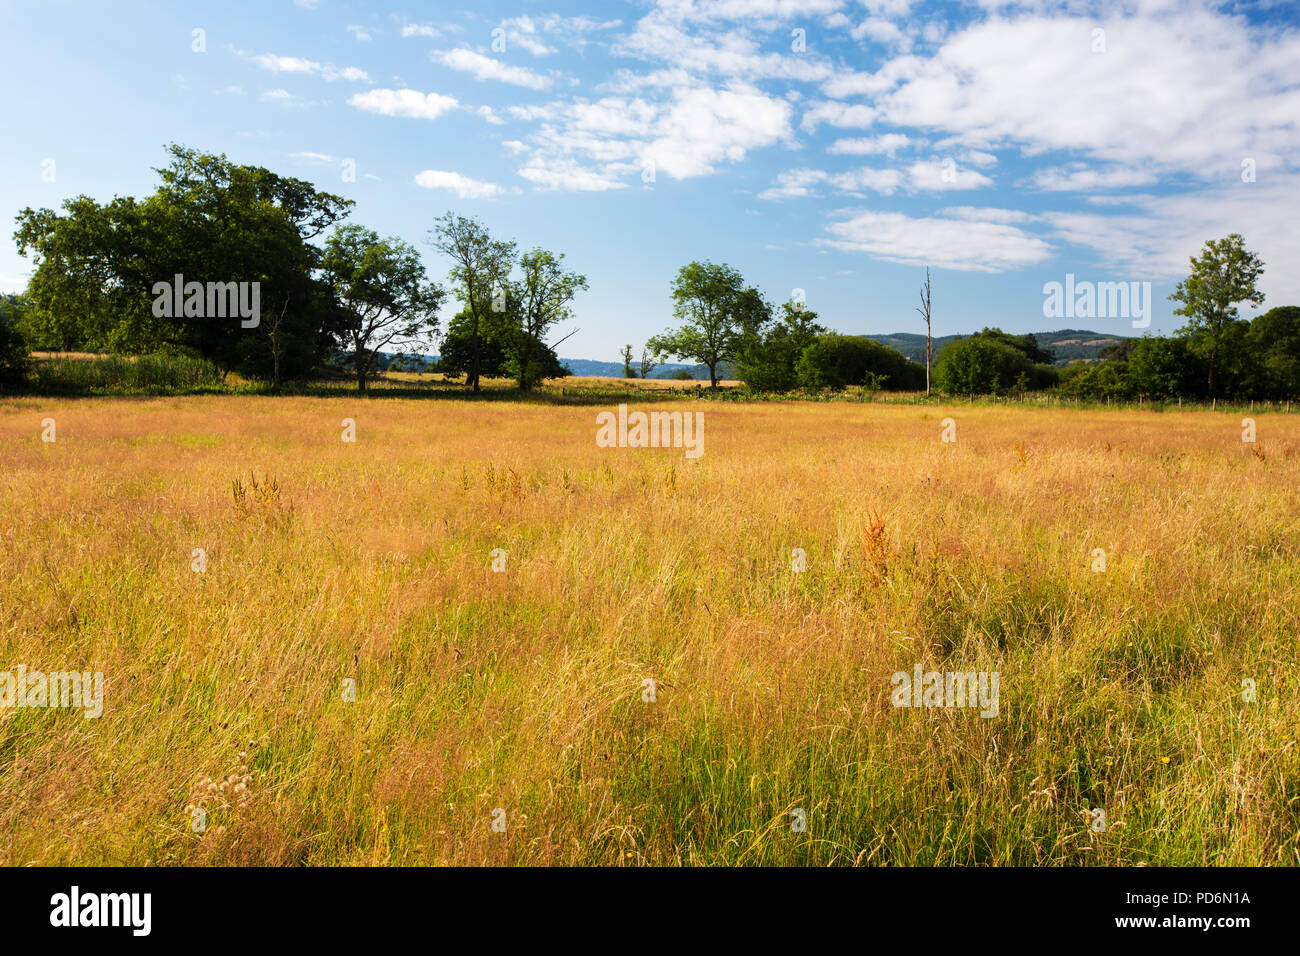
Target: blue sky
833, 146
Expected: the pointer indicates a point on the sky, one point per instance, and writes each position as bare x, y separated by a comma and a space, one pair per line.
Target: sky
834, 147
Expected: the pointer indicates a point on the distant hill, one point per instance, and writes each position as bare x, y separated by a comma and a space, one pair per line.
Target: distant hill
589, 368
1068, 345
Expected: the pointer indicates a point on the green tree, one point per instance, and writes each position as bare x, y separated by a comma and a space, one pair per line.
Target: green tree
210, 220
1165, 367
15, 360
628, 371
980, 364
480, 272
834, 361
542, 298
1224, 274
766, 359
1273, 345
704, 296
381, 287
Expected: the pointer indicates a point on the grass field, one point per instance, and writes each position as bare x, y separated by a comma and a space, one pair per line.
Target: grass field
524, 691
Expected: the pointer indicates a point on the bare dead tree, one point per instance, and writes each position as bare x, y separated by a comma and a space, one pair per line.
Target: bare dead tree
925, 314
277, 345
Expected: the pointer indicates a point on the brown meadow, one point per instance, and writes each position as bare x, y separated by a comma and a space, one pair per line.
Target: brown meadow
525, 690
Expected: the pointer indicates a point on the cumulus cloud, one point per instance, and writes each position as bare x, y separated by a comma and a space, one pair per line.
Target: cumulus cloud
944, 242
276, 63
489, 68
462, 186
408, 103
886, 144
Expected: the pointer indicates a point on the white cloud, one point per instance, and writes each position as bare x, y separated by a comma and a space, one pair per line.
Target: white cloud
409, 103
949, 243
281, 96
1080, 178
562, 173
314, 158
838, 114
488, 68
886, 144
986, 214
800, 183
276, 63
731, 53
420, 30
944, 174
1156, 238
462, 186
527, 32
361, 33
686, 133
1179, 87
880, 31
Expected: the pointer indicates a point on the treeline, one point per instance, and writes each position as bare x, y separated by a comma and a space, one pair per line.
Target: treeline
231, 264
728, 323
1216, 354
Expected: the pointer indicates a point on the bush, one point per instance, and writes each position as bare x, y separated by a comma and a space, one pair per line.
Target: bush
15, 357
982, 365
1166, 367
835, 361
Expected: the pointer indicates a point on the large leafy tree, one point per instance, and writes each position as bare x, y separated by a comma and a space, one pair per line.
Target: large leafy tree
383, 294
14, 352
980, 364
708, 297
210, 220
1273, 343
542, 297
1224, 274
834, 361
480, 272
767, 355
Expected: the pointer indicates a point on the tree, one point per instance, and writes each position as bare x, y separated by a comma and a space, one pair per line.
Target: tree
1273, 343
834, 361
980, 364
542, 296
480, 270
627, 362
649, 362
767, 359
210, 221
925, 314
14, 353
381, 287
1165, 367
1223, 275
705, 296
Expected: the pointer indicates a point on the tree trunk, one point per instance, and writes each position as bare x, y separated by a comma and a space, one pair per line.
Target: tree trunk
474, 357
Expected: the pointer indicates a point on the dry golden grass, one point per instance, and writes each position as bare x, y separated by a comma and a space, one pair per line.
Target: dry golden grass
524, 690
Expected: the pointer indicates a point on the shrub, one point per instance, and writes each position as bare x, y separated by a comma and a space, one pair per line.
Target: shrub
15, 359
835, 361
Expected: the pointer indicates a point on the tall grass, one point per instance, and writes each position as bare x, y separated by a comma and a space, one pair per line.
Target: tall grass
525, 690
118, 374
